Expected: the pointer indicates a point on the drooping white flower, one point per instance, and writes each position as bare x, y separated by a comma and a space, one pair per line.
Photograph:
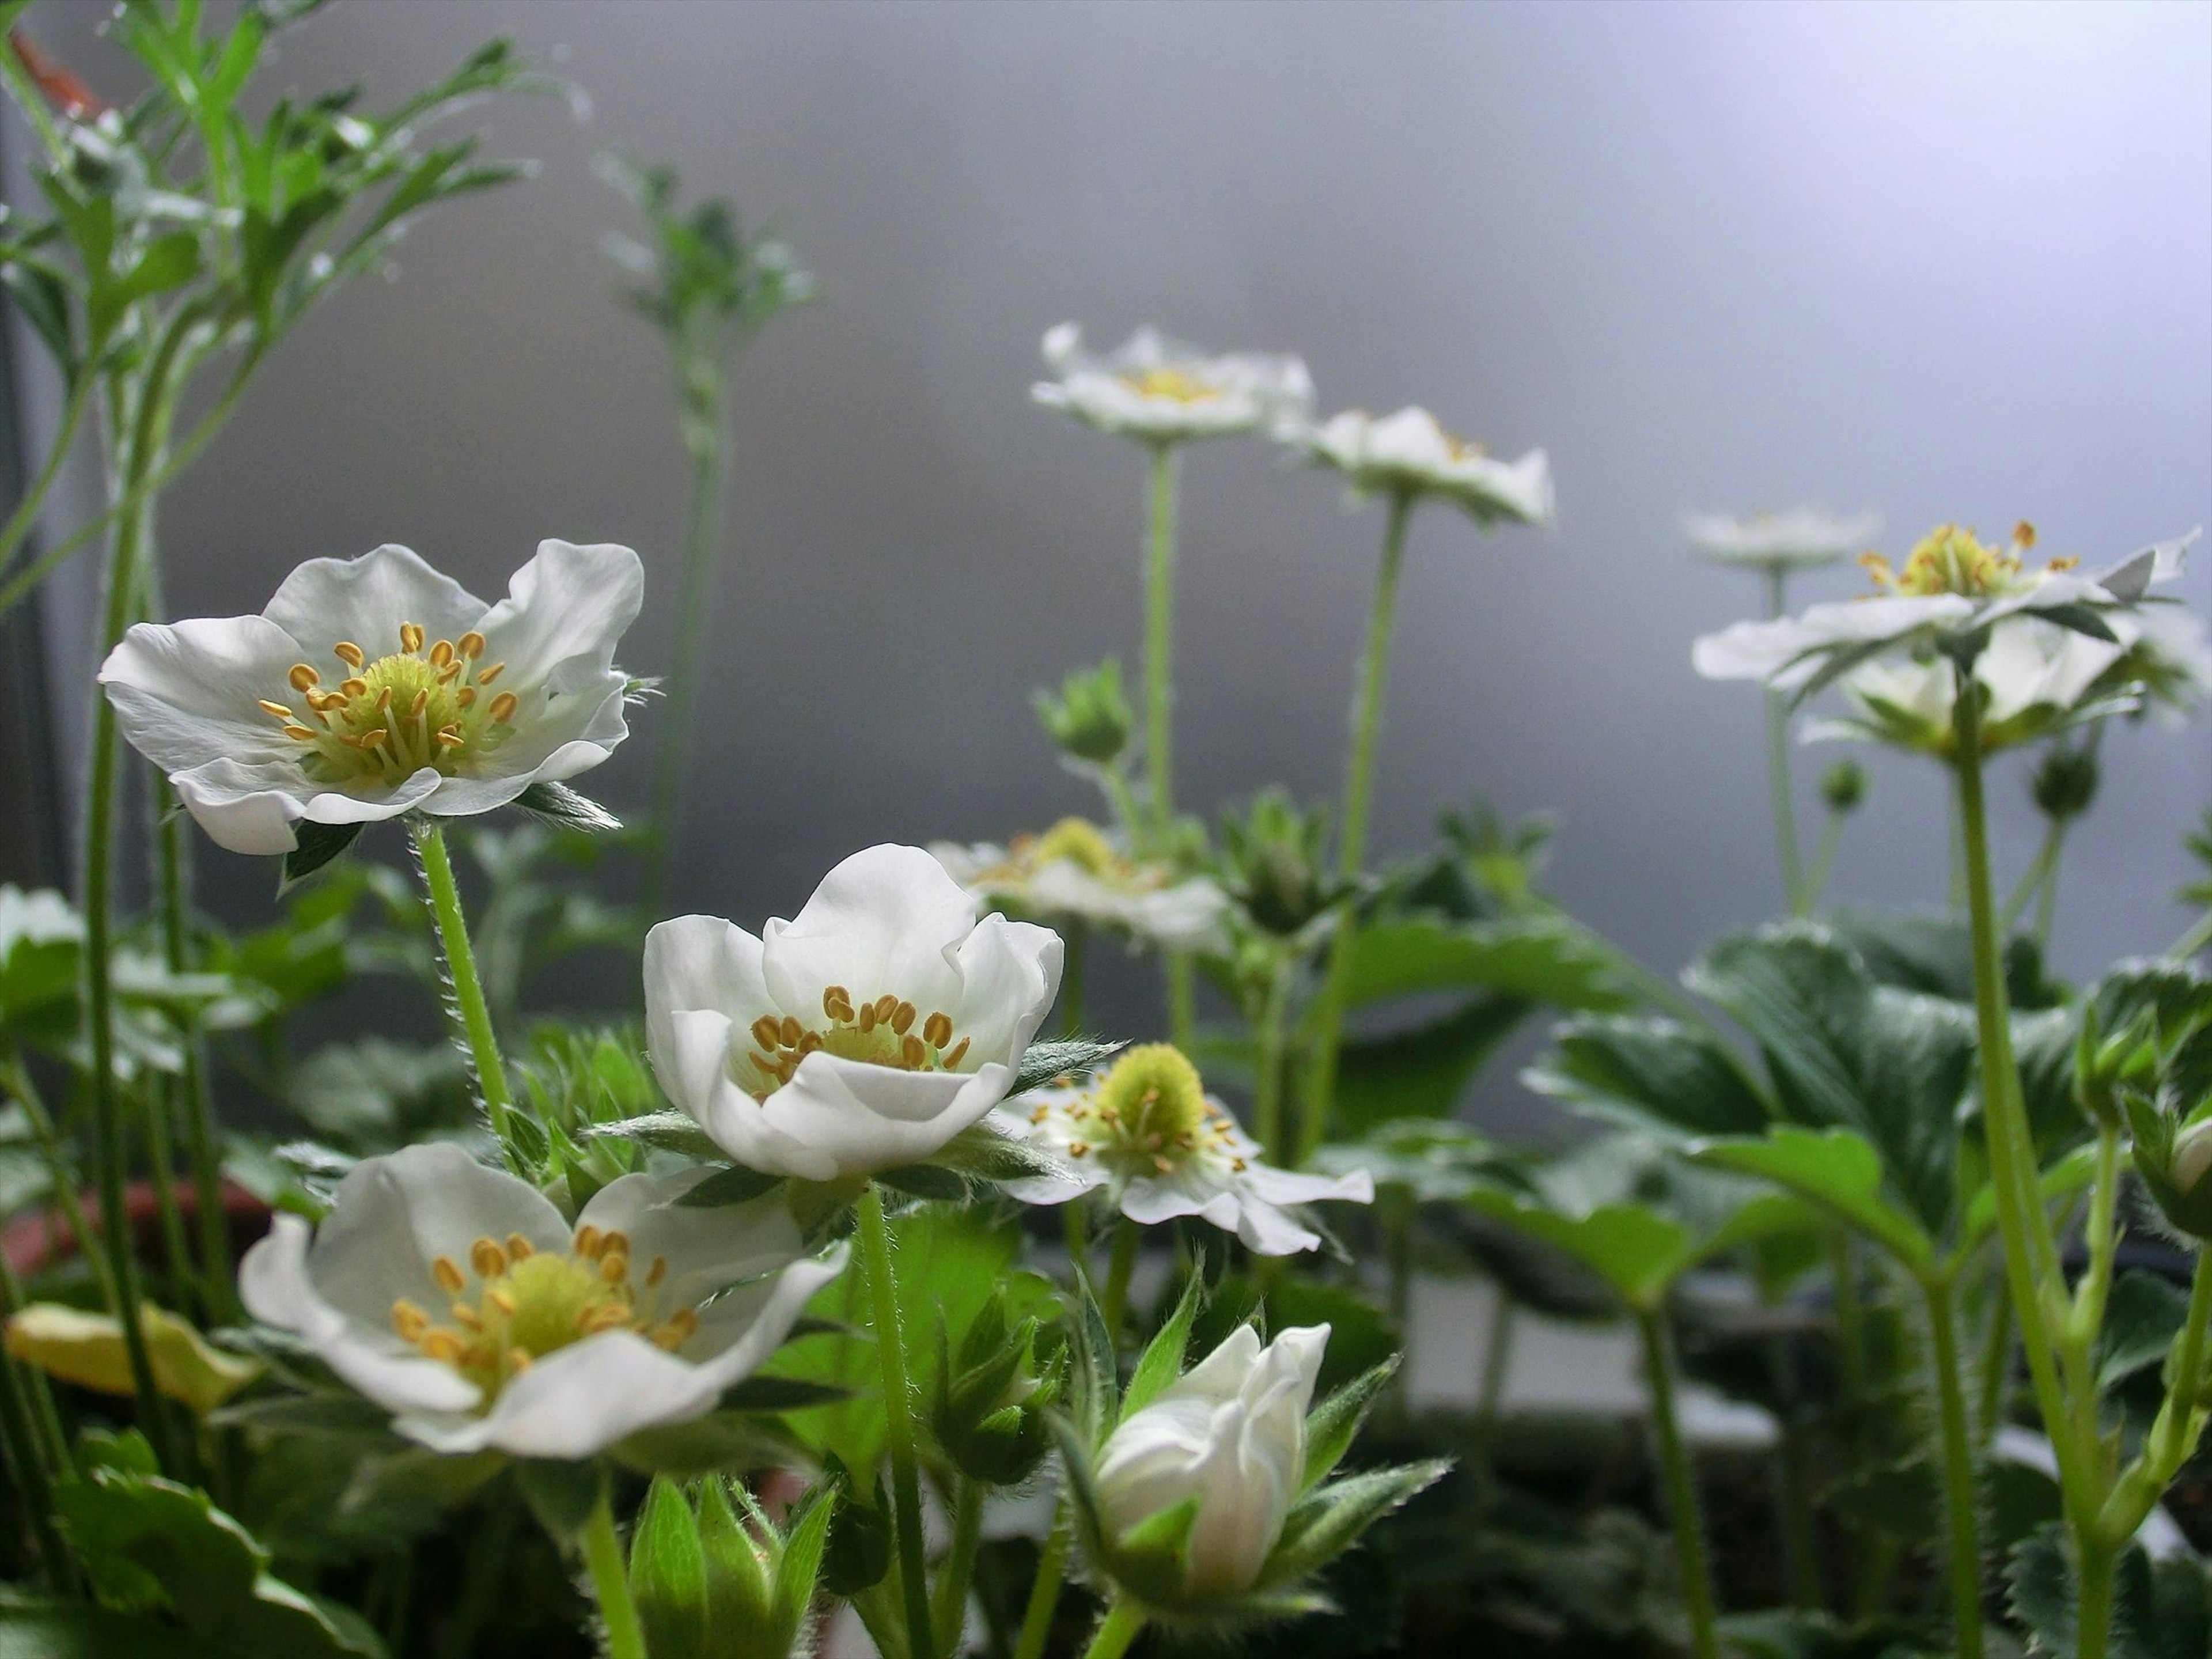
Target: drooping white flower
1075, 869
1164, 392
1799, 538
457, 1297
1146, 1132
374, 687
1228, 1436
1953, 587
1411, 452
862, 1035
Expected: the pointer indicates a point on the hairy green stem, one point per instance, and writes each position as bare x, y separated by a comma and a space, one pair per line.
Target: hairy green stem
1267, 1062
1351, 841
2179, 1424
898, 1416
2094, 1574
1075, 939
1793, 1494
1044, 1592
1159, 642
1497, 1369
202, 1143
2035, 879
1955, 1451
63, 1173
708, 444
1997, 1358
602, 1564
1781, 793
1114, 1304
1681, 1485
2194, 940
27, 1455
469, 1003
1116, 1631
957, 1572
77, 405
1824, 861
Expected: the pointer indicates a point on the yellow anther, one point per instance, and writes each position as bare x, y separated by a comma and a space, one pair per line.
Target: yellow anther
809, 1043
2067, 562
486, 676
1040, 1114
519, 1360
837, 1002
902, 1017
656, 1272
502, 1298
886, 1005
465, 696
409, 1321
615, 1239
787, 1032
911, 1052
448, 1275
503, 707
410, 637
441, 653
937, 1030
353, 687
766, 1031
282, 710
422, 702
2023, 535
373, 739
442, 1344
349, 653
384, 700
300, 733
487, 1258
469, 645
614, 1266
519, 1248
449, 739
1079, 1148
952, 1058
588, 1239
464, 1315
302, 676
869, 1019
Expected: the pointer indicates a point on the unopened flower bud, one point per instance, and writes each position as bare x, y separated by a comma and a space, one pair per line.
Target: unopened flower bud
1090, 719
2193, 1155
1843, 786
2066, 783
994, 1396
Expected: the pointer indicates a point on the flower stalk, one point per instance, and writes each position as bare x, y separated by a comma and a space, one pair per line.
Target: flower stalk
1159, 642
1782, 796
468, 1004
707, 438
1120, 1627
1956, 1459
898, 1416
603, 1563
1680, 1484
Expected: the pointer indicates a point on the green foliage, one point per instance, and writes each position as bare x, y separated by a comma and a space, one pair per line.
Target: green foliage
1650, 1073
2163, 1608
1089, 719
989, 1408
1274, 863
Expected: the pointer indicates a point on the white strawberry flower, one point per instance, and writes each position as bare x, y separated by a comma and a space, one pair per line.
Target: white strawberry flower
459, 1300
1145, 1132
1077, 870
374, 687
1162, 391
1799, 538
1411, 453
862, 1035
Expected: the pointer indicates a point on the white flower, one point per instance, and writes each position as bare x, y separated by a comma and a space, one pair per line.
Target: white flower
366, 690
1411, 452
1147, 1132
1230, 1436
1076, 869
1164, 392
1797, 539
1952, 588
457, 1297
861, 1036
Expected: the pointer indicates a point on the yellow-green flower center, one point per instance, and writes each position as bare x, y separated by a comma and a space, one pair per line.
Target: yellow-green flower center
1147, 1114
387, 720
887, 1031
1178, 385
1082, 844
526, 1304
1952, 559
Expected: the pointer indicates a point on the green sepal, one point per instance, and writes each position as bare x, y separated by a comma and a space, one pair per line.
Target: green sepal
314, 845
735, 1185
1333, 1425
668, 1132
560, 1494
1041, 1062
1328, 1520
560, 805
668, 1573
1161, 1363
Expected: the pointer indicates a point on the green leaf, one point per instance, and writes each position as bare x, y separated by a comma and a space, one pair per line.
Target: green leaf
1833, 1169
316, 845
561, 1495
2143, 1317
668, 1132
559, 804
1042, 1062
1422, 1073
780, 1394
1541, 958
59, 1629
925, 1180
1329, 1520
668, 1572
1932, 951
721, 1440
1636, 1250
1653, 1074
735, 1185
1161, 1363
1333, 1425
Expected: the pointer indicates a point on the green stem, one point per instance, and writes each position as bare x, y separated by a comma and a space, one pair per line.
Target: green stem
63, 1173
1268, 1075
1116, 1633
1681, 1486
1997, 1359
1075, 937
25, 518
1497, 1369
2030, 1254
1114, 1304
1781, 795
1793, 1494
1956, 1459
1044, 1592
2194, 940
603, 1562
26, 1458
1824, 861
461, 972
2179, 1424
1182, 1001
2034, 879
1351, 844
957, 1572
1114, 782
160, 1161
2093, 1577
898, 1415
702, 525
1159, 642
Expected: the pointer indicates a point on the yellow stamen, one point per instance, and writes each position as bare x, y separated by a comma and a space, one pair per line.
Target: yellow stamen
449, 1277
503, 707
410, 637
282, 710
349, 653
469, 645
487, 1258
302, 676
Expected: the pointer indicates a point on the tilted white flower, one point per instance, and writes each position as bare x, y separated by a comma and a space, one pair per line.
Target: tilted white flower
1164, 392
1411, 452
861, 1035
1230, 1437
458, 1299
1799, 538
1953, 587
2036, 678
1147, 1132
374, 687
1076, 869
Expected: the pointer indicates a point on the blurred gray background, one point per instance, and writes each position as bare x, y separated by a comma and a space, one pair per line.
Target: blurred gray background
1947, 260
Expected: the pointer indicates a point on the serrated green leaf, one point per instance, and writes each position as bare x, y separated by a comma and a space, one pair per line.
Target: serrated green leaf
1541, 959
1833, 1169
557, 804
1161, 1363
1333, 1425
735, 1185
1652, 1074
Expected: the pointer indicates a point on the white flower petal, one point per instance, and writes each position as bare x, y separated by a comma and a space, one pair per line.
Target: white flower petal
186, 692
565, 611
1799, 537
865, 1119
884, 918
365, 599
1009, 977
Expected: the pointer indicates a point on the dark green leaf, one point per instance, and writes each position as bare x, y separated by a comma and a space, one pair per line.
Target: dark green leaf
561, 1495
316, 845
1042, 1062
1653, 1074
1422, 1073
735, 1185
1541, 959
557, 804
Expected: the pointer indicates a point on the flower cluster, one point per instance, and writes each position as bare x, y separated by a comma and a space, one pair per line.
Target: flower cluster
1079, 872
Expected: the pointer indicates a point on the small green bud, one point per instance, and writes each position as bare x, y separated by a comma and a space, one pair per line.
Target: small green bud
1090, 719
668, 1573
2171, 1158
994, 1397
1276, 863
1843, 786
2066, 783
860, 1548
2193, 1155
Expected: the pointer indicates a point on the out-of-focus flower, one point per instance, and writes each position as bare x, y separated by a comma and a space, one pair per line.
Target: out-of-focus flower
1410, 452
1800, 538
88, 1350
1162, 391
457, 1297
1952, 590
1089, 719
426, 699
1077, 870
1228, 1439
862, 1035
1146, 1132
